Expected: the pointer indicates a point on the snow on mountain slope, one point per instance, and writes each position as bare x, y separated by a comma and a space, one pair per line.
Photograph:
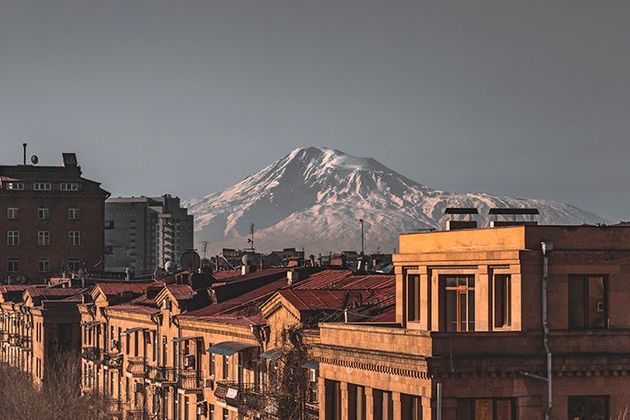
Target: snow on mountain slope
313, 198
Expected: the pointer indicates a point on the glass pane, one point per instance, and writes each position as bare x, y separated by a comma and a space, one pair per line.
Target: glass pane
597, 302
499, 301
504, 410
462, 312
451, 311
483, 410
465, 409
451, 282
471, 310
577, 297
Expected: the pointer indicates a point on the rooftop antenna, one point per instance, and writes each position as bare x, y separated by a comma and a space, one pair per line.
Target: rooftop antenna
204, 248
250, 241
24, 147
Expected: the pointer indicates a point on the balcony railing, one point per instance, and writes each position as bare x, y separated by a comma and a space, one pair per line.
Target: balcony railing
91, 353
137, 366
162, 375
189, 380
113, 361
114, 407
239, 395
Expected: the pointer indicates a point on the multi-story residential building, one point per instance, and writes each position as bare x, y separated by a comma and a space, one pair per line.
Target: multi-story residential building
51, 220
523, 322
38, 325
142, 233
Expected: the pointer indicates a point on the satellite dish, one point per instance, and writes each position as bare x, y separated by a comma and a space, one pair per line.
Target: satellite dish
34, 160
191, 260
170, 267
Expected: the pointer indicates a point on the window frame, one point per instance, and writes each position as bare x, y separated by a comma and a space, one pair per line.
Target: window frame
585, 278
43, 213
16, 263
507, 301
13, 213
73, 213
13, 238
74, 238
46, 263
466, 291
43, 238
413, 290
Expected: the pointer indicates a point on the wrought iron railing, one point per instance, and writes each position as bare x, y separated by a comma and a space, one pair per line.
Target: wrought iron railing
137, 366
189, 380
163, 375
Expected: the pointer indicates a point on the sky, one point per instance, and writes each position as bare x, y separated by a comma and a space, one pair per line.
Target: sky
528, 98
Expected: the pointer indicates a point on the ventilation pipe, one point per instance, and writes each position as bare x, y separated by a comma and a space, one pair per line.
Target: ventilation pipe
546, 247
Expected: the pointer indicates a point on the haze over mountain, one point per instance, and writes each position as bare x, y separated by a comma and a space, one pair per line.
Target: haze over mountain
313, 198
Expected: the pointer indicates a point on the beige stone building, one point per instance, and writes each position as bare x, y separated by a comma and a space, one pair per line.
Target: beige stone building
500, 323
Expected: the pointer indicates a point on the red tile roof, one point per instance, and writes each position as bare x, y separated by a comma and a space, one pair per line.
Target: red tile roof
181, 291
115, 288
225, 274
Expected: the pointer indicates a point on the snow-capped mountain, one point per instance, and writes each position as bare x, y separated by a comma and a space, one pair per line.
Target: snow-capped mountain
313, 198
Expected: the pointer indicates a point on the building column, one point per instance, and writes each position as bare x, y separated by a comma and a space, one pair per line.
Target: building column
369, 403
321, 386
397, 405
344, 400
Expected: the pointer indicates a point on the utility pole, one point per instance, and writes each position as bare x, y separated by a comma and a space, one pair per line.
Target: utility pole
362, 237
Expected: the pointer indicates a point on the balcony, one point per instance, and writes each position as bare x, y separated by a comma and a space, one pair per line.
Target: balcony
91, 354
162, 375
114, 407
241, 396
137, 366
113, 361
189, 380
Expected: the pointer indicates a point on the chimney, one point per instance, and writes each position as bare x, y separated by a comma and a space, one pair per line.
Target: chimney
461, 218
245, 269
292, 277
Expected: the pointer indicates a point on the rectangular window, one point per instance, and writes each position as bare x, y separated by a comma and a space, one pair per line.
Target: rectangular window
74, 238
13, 238
41, 186
43, 238
43, 213
69, 186
588, 407
458, 303
15, 186
43, 265
74, 264
12, 213
225, 414
413, 297
226, 367
211, 412
73, 213
588, 301
135, 342
13, 265
486, 409
411, 407
212, 364
502, 289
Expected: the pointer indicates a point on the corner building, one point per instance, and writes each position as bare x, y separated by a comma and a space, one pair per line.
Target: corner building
504, 323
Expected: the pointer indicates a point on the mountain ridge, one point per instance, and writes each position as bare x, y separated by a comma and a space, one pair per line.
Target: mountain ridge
314, 196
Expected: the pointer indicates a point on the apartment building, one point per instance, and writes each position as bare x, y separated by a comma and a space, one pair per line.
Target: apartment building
142, 233
51, 221
521, 322
181, 347
38, 325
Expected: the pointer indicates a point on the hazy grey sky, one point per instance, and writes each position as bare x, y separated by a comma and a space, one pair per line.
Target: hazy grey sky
524, 98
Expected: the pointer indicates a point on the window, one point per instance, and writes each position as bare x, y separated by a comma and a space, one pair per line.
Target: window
43, 238
43, 265
74, 264
502, 289
109, 224
16, 186
13, 238
225, 414
211, 412
383, 405
43, 213
226, 367
413, 297
458, 303
588, 301
41, 186
486, 409
12, 213
13, 265
73, 213
411, 407
587, 408
69, 186
74, 238
212, 364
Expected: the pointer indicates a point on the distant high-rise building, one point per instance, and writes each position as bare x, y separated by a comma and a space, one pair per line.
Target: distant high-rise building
142, 233
51, 221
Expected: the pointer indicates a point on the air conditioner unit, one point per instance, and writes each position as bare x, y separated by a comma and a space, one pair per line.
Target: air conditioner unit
189, 361
208, 383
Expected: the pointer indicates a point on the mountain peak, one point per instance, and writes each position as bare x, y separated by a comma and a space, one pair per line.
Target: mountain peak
314, 196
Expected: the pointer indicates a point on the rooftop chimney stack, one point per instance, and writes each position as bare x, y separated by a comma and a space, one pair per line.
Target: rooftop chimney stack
513, 216
461, 218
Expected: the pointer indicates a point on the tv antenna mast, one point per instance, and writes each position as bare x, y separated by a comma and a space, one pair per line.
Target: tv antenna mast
250, 241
